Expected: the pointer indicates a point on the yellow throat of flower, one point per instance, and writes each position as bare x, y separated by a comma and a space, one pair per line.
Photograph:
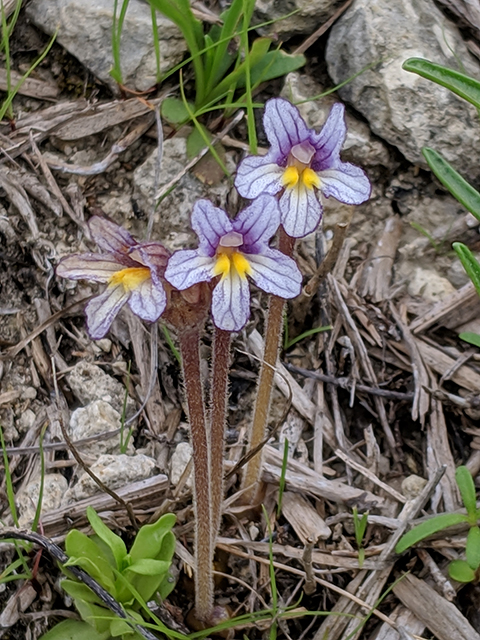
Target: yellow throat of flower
229, 259
292, 177
131, 278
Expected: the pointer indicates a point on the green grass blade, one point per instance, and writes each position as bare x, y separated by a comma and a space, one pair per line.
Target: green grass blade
231, 19
117, 28
453, 181
470, 337
428, 528
306, 334
470, 264
8, 481
467, 490
252, 131
459, 83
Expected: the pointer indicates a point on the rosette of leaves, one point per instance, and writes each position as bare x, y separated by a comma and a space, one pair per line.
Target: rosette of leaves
460, 570
131, 577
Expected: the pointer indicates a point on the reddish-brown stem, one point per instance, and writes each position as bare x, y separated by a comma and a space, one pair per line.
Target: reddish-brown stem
273, 334
218, 411
189, 348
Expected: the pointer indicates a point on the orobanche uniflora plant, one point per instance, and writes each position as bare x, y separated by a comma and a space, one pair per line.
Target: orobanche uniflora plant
285, 187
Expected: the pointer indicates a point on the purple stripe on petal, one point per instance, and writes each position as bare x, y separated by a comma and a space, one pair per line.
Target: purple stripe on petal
231, 302
273, 272
185, 268
256, 175
330, 139
258, 223
101, 311
109, 236
148, 301
210, 224
150, 254
284, 127
88, 266
300, 211
347, 183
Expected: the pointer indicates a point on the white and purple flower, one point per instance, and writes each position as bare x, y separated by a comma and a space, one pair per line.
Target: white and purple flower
131, 270
233, 250
302, 164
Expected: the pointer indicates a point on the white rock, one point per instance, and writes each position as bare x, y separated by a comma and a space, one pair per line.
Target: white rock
85, 30
25, 421
114, 471
430, 285
401, 107
54, 488
309, 15
412, 486
178, 462
97, 417
88, 382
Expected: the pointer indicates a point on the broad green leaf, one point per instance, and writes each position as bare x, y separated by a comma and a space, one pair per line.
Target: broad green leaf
467, 489
149, 567
149, 540
80, 591
459, 83
92, 569
453, 181
470, 263
428, 528
78, 545
120, 627
275, 65
472, 549
166, 587
98, 617
174, 111
460, 571
471, 338
115, 543
74, 630
196, 142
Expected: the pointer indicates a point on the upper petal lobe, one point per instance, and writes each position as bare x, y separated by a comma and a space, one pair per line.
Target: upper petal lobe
284, 127
258, 222
210, 224
256, 175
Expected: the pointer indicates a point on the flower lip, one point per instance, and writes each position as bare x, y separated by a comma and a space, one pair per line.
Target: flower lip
303, 152
232, 239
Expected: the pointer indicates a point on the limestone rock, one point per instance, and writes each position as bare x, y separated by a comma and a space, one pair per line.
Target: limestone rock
430, 285
114, 471
85, 28
178, 462
88, 382
309, 15
412, 486
401, 107
97, 417
54, 488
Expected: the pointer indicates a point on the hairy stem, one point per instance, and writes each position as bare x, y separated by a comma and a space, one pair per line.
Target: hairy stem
189, 348
218, 409
273, 334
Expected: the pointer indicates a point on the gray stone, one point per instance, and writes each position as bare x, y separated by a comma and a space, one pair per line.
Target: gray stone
88, 382
85, 27
54, 488
309, 15
114, 471
172, 216
412, 486
361, 147
178, 462
429, 284
401, 107
97, 417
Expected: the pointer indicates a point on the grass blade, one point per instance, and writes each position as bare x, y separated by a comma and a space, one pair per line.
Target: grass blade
470, 264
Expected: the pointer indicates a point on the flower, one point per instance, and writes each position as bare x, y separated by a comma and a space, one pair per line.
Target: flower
233, 250
132, 271
301, 163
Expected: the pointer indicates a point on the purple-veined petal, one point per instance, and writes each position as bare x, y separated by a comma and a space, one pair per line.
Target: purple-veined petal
256, 175
109, 236
273, 272
330, 139
186, 268
284, 127
101, 311
88, 266
210, 224
148, 300
300, 211
347, 183
231, 302
258, 222
150, 254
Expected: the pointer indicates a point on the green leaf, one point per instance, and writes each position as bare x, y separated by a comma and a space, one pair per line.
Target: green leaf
472, 549
428, 528
460, 571
276, 64
453, 181
149, 541
78, 545
467, 489
470, 263
149, 567
174, 111
196, 141
74, 630
471, 338
80, 591
98, 617
115, 543
459, 83
166, 587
